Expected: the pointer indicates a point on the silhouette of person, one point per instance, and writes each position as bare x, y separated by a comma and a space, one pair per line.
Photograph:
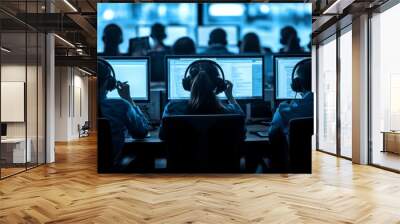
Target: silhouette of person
290, 41
124, 115
184, 46
217, 42
112, 38
158, 35
251, 44
304, 107
204, 84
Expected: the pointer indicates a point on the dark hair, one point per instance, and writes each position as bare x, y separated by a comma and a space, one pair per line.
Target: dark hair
103, 72
158, 32
184, 45
202, 95
112, 34
289, 32
218, 36
250, 43
304, 72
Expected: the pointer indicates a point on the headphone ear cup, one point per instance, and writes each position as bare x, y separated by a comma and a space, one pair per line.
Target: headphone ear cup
296, 84
111, 84
221, 86
186, 84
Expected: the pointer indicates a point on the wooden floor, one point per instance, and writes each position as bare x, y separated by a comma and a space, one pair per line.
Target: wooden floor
70, 191
386, 159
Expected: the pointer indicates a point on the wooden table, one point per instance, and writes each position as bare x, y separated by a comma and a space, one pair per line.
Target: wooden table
391, 141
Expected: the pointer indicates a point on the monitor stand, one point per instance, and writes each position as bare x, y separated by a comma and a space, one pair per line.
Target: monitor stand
248, 111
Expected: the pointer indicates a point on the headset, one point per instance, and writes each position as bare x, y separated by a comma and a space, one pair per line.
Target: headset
112, 81
195, 68
298, 82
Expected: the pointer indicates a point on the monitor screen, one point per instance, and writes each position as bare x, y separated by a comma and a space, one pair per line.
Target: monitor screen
283, 72
203, 34
173, 33
246, 74
134, 71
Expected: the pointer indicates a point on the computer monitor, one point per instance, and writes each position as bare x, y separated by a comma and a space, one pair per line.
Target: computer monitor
134, 71
245, 72
203, 34
3, 129
173, 33
283, 68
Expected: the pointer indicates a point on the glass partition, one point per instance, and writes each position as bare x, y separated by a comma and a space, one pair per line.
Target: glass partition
22, 77
385, 89
326, 136
14, 153
346, 93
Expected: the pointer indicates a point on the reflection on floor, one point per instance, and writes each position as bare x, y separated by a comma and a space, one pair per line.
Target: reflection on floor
71, 191
386, 159
11, 169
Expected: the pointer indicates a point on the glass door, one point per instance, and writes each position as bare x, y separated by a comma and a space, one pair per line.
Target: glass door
385, 89
326, 96
345, 52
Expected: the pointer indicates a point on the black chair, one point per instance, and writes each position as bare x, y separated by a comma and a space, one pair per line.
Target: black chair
299, 145
204, 143
104, 146
84, 129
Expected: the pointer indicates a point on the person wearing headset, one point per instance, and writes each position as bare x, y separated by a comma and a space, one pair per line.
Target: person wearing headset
124, 116
304, 107
204, 79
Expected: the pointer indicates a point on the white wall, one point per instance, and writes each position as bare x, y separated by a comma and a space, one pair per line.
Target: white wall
71, 94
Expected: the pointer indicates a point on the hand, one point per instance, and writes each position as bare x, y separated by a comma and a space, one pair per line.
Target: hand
228, 90
124, 90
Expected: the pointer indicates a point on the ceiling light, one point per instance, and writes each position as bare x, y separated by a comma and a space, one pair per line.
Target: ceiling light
226, 9
70, 5
337, 7
5, 49
64, 40
108, 14
84, 71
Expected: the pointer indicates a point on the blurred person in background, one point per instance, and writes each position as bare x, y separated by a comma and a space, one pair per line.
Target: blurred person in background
217, 43
290, 41
251, 44
112, 38
158, 35
184, 46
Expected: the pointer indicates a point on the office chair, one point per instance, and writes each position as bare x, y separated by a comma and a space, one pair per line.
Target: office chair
104, 146
299, 145
84, 129
204, 143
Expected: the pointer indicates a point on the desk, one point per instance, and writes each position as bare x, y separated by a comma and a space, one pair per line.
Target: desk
154, 147
154, 139
13, 150
391, 141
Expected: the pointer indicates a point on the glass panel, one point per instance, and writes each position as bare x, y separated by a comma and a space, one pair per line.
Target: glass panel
327, 97
385, 89
13, 86
346, 94
41, 99
31, 98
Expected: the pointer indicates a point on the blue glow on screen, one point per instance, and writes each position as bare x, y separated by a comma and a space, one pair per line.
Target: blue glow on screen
131, 16
265, 19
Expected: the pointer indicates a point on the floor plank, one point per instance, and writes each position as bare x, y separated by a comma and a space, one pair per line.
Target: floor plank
71, 191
